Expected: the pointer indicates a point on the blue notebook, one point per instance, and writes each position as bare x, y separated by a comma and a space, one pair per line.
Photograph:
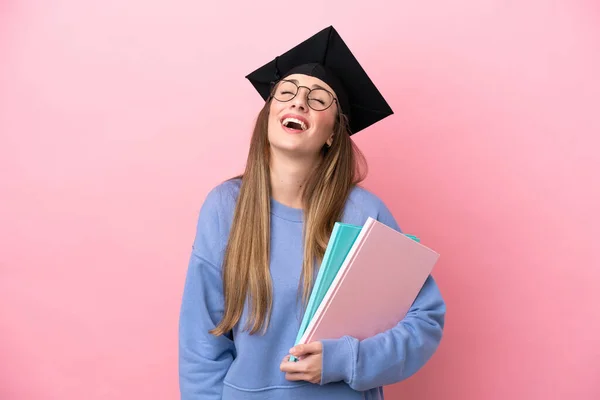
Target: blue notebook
340, 243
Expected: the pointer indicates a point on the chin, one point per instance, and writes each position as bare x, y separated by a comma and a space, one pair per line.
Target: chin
286, 146
289, 147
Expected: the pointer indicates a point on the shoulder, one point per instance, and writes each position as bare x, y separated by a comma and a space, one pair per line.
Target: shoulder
215, 217
221, 198
363, 203
219, 204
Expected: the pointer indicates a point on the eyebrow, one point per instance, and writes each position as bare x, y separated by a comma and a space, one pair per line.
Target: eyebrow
315, 86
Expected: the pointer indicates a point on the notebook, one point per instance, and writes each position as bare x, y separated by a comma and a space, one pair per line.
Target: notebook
375, 286
341, 241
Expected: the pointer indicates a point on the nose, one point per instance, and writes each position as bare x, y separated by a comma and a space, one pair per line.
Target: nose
301, 99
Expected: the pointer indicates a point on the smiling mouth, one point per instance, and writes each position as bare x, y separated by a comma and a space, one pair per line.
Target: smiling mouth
294, 123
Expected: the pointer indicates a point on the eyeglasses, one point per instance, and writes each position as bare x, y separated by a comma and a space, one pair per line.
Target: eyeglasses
318, 99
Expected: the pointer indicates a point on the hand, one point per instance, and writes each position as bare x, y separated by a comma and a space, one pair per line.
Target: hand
309, 365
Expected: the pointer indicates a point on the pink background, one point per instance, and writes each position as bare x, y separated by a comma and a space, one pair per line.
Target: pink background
117, 117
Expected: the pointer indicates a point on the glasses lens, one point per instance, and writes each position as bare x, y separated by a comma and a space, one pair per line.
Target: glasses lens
319, 99
285, 91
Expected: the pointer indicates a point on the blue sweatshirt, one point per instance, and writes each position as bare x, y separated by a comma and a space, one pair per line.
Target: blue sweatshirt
248, 366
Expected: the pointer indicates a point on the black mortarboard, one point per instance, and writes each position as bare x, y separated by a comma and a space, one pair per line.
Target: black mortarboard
326, 56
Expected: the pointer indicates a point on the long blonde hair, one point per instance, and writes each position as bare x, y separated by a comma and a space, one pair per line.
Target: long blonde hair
246, 272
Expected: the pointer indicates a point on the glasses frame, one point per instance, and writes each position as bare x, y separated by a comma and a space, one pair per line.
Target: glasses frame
275, 84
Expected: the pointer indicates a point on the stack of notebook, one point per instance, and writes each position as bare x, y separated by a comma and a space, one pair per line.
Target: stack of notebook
367, 282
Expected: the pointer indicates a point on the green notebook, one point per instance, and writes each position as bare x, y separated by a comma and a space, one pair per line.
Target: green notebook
342, 238
340, 243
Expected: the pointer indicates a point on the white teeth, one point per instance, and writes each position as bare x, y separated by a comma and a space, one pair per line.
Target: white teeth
286, 121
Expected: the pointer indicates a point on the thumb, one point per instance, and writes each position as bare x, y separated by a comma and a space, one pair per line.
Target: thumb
309, 348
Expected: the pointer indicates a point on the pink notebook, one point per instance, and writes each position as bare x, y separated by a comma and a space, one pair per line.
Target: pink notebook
375, 287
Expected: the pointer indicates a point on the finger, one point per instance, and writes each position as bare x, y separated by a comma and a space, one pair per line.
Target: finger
308, 348
297, 350
296, 376
294, 367
291, 367
287, 359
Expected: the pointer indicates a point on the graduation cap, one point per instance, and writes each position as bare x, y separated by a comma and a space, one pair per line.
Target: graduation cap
325, 56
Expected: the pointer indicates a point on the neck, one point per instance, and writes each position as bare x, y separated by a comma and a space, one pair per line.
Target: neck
288, 176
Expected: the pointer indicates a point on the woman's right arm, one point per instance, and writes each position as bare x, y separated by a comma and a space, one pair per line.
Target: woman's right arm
204, 359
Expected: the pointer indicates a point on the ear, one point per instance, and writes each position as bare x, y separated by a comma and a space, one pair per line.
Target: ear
330, 140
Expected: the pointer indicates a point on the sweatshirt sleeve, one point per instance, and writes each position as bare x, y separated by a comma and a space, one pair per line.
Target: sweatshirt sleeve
204, 359
395, 354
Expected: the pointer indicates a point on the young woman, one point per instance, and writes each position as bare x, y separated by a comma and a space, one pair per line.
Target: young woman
261, 236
